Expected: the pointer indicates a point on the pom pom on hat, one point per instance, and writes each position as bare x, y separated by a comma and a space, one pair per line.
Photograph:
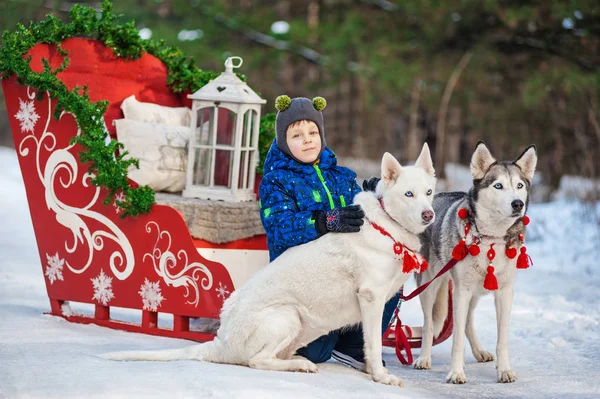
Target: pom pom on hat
319, 103
283, 102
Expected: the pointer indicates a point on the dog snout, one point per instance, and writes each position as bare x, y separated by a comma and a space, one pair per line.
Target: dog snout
427, 216
517, 205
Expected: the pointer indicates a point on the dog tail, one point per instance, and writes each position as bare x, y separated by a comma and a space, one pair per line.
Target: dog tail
440, 309
207, 352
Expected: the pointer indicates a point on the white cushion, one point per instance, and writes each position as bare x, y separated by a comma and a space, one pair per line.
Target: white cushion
161, 150
149, 112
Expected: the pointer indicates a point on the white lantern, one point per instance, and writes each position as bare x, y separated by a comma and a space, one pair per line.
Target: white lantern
223, 148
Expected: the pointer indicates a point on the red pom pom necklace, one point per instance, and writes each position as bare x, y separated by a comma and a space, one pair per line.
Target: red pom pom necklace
411, 261
461, 250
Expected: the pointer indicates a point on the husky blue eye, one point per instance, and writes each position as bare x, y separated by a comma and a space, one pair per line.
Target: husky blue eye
498, 186
520, 185
409, 194
429, 192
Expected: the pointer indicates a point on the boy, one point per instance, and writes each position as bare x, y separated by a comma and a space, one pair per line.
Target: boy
304, 195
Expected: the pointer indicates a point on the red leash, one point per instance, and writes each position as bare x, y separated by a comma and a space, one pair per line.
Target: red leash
422, 288
401, 341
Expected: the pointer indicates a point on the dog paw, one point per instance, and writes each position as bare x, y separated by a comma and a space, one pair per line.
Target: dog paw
456, 377
483, 356
369, 370
505, 376
308, 367
388, 379
423, 364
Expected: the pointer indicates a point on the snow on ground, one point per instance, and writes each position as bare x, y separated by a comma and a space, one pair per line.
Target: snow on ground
554, 339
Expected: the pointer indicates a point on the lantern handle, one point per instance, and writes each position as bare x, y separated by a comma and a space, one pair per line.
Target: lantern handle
229, 65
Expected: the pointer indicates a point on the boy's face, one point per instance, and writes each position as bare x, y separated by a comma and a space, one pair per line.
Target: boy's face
304, 141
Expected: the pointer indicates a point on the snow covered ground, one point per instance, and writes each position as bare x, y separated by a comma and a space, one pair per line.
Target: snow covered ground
554, 340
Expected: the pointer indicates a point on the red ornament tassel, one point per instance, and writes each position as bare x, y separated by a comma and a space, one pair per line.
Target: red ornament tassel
460, 251
524, 260
409, 264
490, 283
424, 266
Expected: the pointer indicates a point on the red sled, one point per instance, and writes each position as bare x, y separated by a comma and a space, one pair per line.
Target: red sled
89, 254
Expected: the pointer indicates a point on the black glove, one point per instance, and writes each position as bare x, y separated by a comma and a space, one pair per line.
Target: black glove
371, 184
339, 220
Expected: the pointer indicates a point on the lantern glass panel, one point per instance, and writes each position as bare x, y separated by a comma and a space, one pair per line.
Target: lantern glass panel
204, 129
201, 173
247, 128
244, 169
226, 123
223, 168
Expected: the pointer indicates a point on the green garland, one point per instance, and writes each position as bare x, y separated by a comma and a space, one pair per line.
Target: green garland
110, 172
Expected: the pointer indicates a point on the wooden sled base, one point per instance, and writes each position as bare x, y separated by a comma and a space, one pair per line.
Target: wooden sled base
148, 325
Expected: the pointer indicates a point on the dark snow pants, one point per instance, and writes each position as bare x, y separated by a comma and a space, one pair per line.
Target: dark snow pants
350, 342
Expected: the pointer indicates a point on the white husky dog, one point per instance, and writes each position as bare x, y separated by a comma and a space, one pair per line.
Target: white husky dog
494, 208
335, 281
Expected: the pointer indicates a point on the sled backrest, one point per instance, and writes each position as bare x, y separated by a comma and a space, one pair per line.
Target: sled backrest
109, 77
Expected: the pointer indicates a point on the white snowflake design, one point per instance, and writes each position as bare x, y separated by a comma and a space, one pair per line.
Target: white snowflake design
222, 291
151, 296
54, 268
119, 197
27, 115
102, 288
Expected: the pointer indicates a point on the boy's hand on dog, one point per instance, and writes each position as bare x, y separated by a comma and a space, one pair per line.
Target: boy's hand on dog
340, 220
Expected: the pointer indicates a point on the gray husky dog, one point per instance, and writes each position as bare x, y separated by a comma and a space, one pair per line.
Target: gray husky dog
494, 209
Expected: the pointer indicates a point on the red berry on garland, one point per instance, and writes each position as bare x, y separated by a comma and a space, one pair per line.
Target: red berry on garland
463, 213
526, 220
511, 252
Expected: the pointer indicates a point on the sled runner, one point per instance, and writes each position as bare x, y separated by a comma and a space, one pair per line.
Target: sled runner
91, 255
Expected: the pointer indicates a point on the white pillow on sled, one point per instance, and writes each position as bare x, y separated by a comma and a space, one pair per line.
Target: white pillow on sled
150, 112
161, 150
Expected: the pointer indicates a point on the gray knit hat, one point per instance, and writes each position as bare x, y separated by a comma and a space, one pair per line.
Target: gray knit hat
294, 110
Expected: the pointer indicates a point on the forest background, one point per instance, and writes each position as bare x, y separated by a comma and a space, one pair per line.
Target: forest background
398, 73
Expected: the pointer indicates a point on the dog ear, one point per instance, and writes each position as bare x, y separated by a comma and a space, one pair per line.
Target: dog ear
424, 161
527, 162
390, 169
481, 161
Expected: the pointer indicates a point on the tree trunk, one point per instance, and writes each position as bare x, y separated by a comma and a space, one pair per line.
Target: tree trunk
455, 127
415, 135
312, 21
441, 122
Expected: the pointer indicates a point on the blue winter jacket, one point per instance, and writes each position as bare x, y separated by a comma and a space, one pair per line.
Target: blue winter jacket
290, 192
